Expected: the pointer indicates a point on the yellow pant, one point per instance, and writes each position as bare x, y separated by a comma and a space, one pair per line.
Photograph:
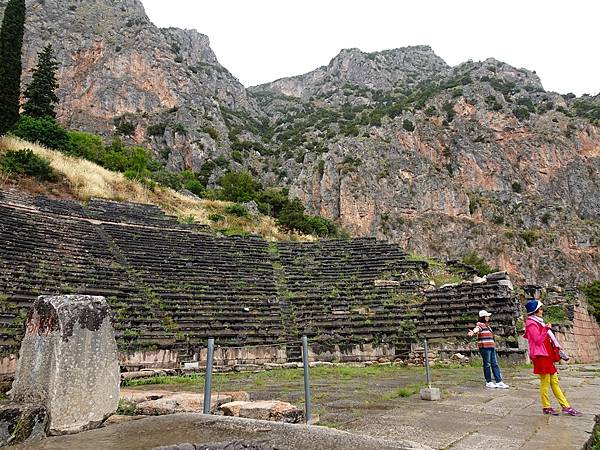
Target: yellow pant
548, 381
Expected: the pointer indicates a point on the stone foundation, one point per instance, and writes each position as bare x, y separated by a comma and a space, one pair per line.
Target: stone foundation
164, 359
351, 353
582, 340
233, 356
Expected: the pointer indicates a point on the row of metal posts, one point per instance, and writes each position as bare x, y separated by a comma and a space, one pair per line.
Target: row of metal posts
209, 370
307, 399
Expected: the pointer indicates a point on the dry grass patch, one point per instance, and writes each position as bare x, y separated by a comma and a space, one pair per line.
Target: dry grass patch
87, 180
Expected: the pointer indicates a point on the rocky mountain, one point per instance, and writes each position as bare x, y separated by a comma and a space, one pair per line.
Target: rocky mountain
121, 74
394, 144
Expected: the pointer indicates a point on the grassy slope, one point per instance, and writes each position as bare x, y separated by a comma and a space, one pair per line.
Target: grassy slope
83, 180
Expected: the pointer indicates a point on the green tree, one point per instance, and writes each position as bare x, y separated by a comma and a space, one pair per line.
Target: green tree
40, 94
238, 187
11, 42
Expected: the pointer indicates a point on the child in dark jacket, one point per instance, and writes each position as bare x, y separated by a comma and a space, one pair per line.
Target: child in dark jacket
542, 344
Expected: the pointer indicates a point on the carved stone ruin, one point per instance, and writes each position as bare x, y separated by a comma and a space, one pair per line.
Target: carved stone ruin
68, 362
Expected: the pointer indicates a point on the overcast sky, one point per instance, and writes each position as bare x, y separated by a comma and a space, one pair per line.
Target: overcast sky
262, 40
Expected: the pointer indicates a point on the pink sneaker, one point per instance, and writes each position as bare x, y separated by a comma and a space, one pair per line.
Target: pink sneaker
572, 412
550, 411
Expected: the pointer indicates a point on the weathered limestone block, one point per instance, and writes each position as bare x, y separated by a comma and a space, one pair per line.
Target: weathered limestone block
68, 362
496, 276
22, 423
273, 410
179, 402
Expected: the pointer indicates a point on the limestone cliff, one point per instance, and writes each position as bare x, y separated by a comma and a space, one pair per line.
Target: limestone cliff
394, 144
116, 67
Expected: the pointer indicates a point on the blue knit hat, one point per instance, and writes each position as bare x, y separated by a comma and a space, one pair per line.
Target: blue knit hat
532, 306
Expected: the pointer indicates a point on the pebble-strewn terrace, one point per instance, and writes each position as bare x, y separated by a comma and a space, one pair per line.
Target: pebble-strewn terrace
173, 285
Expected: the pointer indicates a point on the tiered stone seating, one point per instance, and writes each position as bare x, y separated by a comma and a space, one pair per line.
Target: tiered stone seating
209, 286
173, 287
330, 291
452, 311
124, 212
43, 254
61, 207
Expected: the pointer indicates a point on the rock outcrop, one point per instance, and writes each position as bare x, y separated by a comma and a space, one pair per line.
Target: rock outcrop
393, 144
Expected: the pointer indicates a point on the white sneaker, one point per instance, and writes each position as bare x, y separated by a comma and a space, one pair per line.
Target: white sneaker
491, 385
502, 385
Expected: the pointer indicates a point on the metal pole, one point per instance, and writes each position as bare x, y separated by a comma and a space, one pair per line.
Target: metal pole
307, 405
208, 377
427, 372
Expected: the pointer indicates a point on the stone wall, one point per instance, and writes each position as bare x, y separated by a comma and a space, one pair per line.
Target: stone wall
582, 339
166, 359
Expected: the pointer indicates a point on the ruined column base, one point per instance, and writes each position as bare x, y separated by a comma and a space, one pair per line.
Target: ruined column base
431, 394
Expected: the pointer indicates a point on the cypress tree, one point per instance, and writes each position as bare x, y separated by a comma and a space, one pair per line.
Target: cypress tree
11, 43
40, 94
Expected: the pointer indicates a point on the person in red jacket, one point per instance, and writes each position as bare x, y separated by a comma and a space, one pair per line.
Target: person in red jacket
543, 353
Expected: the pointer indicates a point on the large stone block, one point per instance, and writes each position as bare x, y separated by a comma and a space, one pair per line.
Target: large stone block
68, 362
273, 410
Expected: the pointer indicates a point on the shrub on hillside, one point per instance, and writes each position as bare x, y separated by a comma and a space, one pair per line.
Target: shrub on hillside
592, 292
521, 113
272, 201
237, 210
292, 217
87, 145
476, 261
238, 187
157, 129
43, 130
124, 127
25, 162
135, 159
408, 125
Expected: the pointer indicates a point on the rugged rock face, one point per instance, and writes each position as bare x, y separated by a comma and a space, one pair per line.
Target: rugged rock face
117, 68
476, 158
353, 70
395, 144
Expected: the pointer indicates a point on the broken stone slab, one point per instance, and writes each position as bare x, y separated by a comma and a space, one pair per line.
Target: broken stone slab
506, 283
272, 410
431, 394
236, 396
229, 445
68, 362
147, 373
292, 365
116, 419
135, 396
497, 276
22, 423
179, 403
386, 283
